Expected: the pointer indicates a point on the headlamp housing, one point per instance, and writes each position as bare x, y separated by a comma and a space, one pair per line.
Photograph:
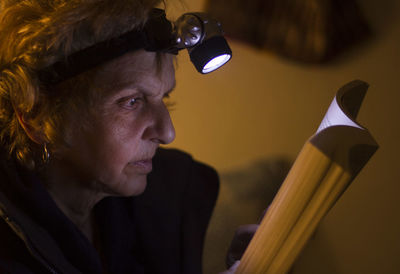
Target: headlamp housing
203, 37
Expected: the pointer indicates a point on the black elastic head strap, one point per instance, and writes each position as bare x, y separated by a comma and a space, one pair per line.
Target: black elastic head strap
156, 35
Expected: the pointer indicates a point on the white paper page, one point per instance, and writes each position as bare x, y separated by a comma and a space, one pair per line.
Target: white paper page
335, 116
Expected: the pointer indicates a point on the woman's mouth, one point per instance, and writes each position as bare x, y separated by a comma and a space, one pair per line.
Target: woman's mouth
143, 166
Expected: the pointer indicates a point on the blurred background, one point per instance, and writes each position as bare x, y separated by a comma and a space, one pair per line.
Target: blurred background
250, 119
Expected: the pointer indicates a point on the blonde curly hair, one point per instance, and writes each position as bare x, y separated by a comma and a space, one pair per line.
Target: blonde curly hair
35, 34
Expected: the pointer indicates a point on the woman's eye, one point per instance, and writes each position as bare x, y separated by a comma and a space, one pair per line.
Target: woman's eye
129, 103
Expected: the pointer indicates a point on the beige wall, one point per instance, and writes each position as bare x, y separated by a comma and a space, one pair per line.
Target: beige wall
260, 105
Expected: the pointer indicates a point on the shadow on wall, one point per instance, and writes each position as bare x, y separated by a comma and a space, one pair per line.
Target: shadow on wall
244, 194
306, 31
380, 14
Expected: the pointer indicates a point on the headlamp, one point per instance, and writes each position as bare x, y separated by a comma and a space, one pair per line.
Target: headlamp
202, 36
196, 32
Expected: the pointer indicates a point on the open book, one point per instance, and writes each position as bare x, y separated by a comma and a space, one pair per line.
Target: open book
324, 168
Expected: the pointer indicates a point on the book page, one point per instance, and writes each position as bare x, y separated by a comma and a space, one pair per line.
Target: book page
335, 116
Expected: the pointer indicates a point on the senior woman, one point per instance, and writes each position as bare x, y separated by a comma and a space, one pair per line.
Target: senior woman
84, 187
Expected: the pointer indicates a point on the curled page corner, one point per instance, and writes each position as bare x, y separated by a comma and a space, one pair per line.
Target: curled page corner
345, 105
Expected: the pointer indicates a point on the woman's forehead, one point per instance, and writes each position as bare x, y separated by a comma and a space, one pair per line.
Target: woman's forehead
140, 69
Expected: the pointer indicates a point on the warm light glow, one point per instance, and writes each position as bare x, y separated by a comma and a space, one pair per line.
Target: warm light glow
216, 62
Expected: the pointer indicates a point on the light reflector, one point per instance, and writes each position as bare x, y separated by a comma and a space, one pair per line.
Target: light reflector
216, 62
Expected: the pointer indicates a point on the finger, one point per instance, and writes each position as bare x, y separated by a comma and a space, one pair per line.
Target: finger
232, 269
234, 266
241, 240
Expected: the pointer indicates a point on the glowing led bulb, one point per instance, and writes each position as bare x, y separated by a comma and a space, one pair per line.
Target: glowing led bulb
216, 62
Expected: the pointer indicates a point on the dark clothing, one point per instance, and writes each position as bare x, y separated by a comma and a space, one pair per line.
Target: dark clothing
159, 231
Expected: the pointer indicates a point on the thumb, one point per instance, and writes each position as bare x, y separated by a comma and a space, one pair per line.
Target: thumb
232, 269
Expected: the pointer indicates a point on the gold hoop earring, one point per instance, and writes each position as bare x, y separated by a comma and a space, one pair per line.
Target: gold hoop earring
45, 154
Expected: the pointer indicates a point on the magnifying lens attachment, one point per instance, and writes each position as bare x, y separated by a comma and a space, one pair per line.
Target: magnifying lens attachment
203, 38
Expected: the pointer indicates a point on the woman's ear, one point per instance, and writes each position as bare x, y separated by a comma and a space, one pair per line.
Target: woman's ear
34, 134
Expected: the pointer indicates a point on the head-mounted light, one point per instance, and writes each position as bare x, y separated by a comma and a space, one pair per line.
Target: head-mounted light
196, 32
202, 36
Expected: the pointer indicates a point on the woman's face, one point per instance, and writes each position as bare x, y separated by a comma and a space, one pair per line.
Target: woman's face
114, 152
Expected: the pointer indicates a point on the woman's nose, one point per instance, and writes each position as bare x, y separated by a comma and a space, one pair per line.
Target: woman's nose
162, 130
